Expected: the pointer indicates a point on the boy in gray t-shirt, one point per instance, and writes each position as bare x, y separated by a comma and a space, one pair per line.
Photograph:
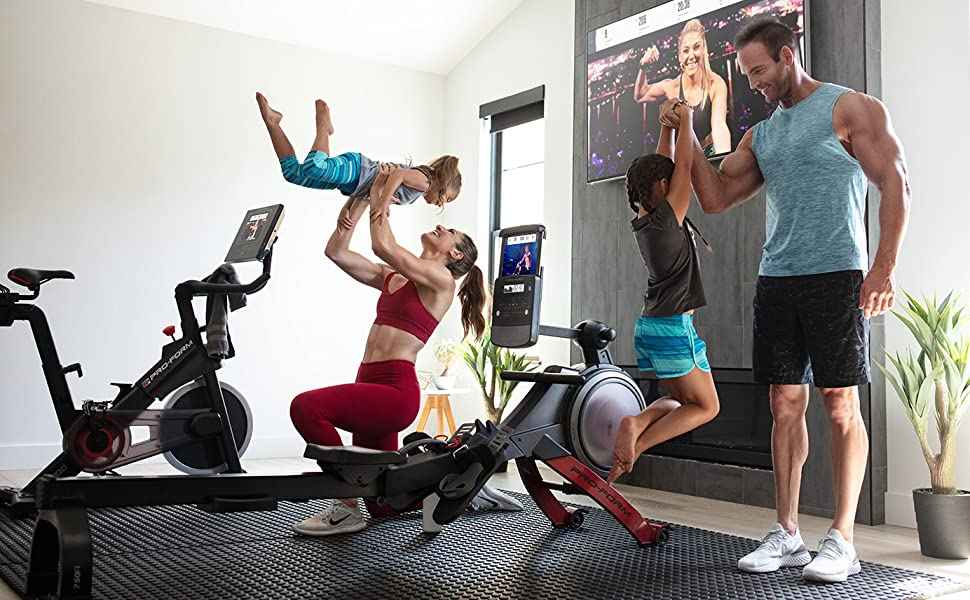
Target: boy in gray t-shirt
659, 192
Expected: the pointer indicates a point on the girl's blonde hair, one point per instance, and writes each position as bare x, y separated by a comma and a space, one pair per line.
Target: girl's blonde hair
707, 79
443, 177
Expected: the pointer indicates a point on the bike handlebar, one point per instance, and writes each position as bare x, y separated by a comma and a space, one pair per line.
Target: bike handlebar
194, 287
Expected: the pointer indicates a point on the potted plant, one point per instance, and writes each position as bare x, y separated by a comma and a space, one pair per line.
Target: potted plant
445, 353
487, 362
937, 380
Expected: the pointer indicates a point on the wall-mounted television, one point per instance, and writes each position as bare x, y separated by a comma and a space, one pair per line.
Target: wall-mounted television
683, 48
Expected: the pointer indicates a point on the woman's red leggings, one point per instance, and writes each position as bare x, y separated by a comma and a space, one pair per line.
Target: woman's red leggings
383, 402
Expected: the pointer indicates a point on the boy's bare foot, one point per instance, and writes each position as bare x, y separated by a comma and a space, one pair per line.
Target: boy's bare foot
270, 117
323, 117
625, 448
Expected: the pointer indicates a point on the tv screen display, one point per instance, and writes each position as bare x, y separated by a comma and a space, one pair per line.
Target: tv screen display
681, 49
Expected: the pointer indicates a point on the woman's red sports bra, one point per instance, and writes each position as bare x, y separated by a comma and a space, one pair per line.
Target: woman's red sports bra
404, 310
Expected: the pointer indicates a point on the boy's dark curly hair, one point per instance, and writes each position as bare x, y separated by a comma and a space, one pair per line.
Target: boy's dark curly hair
643, 173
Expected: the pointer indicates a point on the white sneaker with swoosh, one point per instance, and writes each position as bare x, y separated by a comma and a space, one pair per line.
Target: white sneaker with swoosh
337, 519
778, 549
835, 562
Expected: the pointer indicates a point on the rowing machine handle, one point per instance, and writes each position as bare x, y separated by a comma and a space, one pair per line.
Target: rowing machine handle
551, 378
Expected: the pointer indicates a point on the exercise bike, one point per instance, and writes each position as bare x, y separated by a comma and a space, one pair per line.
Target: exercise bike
204, 425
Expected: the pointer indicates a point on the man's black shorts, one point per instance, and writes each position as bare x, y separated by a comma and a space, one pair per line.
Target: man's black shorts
810, 328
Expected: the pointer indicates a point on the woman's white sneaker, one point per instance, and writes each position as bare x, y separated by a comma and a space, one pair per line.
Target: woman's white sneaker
778, 549
835, 561
337, 519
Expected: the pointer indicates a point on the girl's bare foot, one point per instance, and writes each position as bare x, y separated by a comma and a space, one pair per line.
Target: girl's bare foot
625, 448
270, 117
323, 117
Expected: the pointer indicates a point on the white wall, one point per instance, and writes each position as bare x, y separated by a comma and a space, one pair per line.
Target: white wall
131, 149
926, 82
532, 47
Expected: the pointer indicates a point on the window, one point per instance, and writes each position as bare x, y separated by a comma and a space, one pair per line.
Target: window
517, 164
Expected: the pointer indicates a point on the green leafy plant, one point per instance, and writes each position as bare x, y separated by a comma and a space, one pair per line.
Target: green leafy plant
487, 362
937, 376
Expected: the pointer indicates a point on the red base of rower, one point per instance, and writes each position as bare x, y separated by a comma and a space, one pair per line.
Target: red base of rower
594, 486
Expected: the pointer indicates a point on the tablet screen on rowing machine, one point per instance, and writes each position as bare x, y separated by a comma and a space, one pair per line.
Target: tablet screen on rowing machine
520, 254
256, 234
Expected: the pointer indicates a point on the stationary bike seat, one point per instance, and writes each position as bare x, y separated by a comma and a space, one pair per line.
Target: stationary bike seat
34, 278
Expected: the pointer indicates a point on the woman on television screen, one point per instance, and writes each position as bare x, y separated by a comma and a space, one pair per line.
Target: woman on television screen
703, 89
525, 263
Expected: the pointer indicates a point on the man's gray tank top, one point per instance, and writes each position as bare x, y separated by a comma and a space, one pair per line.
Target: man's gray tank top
816, 191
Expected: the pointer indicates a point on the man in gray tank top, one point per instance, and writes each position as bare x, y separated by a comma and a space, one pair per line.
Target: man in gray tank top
815, 290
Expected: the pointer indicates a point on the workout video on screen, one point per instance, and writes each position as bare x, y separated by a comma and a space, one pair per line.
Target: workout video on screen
635, 64
520, 256
252, 227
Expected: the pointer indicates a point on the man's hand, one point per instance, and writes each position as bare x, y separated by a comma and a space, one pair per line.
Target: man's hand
878, 293
670, 114
683, 111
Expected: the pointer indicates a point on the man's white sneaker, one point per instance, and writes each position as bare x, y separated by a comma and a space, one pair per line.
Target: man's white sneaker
778, 549
835, 561
337, 519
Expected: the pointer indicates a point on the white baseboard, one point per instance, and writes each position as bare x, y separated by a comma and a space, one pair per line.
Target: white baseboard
276, 447
15, 457
27, 456
899, 509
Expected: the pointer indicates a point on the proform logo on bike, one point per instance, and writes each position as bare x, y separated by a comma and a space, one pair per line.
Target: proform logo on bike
174, 359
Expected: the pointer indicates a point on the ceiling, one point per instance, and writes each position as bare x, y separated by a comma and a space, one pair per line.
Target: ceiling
425, 35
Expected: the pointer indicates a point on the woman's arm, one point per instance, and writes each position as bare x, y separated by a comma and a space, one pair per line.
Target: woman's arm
680, 185
422, 272
720, 133
644, 91
383, 188
338, 247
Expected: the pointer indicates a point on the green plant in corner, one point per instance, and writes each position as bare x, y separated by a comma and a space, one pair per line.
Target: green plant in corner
487, 362
937, 376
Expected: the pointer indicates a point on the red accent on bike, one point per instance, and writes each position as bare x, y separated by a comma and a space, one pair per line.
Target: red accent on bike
169, 331
95, 444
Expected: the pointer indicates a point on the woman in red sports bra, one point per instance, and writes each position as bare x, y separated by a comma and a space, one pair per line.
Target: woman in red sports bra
416, 292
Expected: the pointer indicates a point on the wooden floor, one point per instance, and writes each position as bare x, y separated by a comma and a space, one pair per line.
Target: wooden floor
885, 544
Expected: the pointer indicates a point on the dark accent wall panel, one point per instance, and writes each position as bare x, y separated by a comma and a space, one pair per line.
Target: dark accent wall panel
608, 276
